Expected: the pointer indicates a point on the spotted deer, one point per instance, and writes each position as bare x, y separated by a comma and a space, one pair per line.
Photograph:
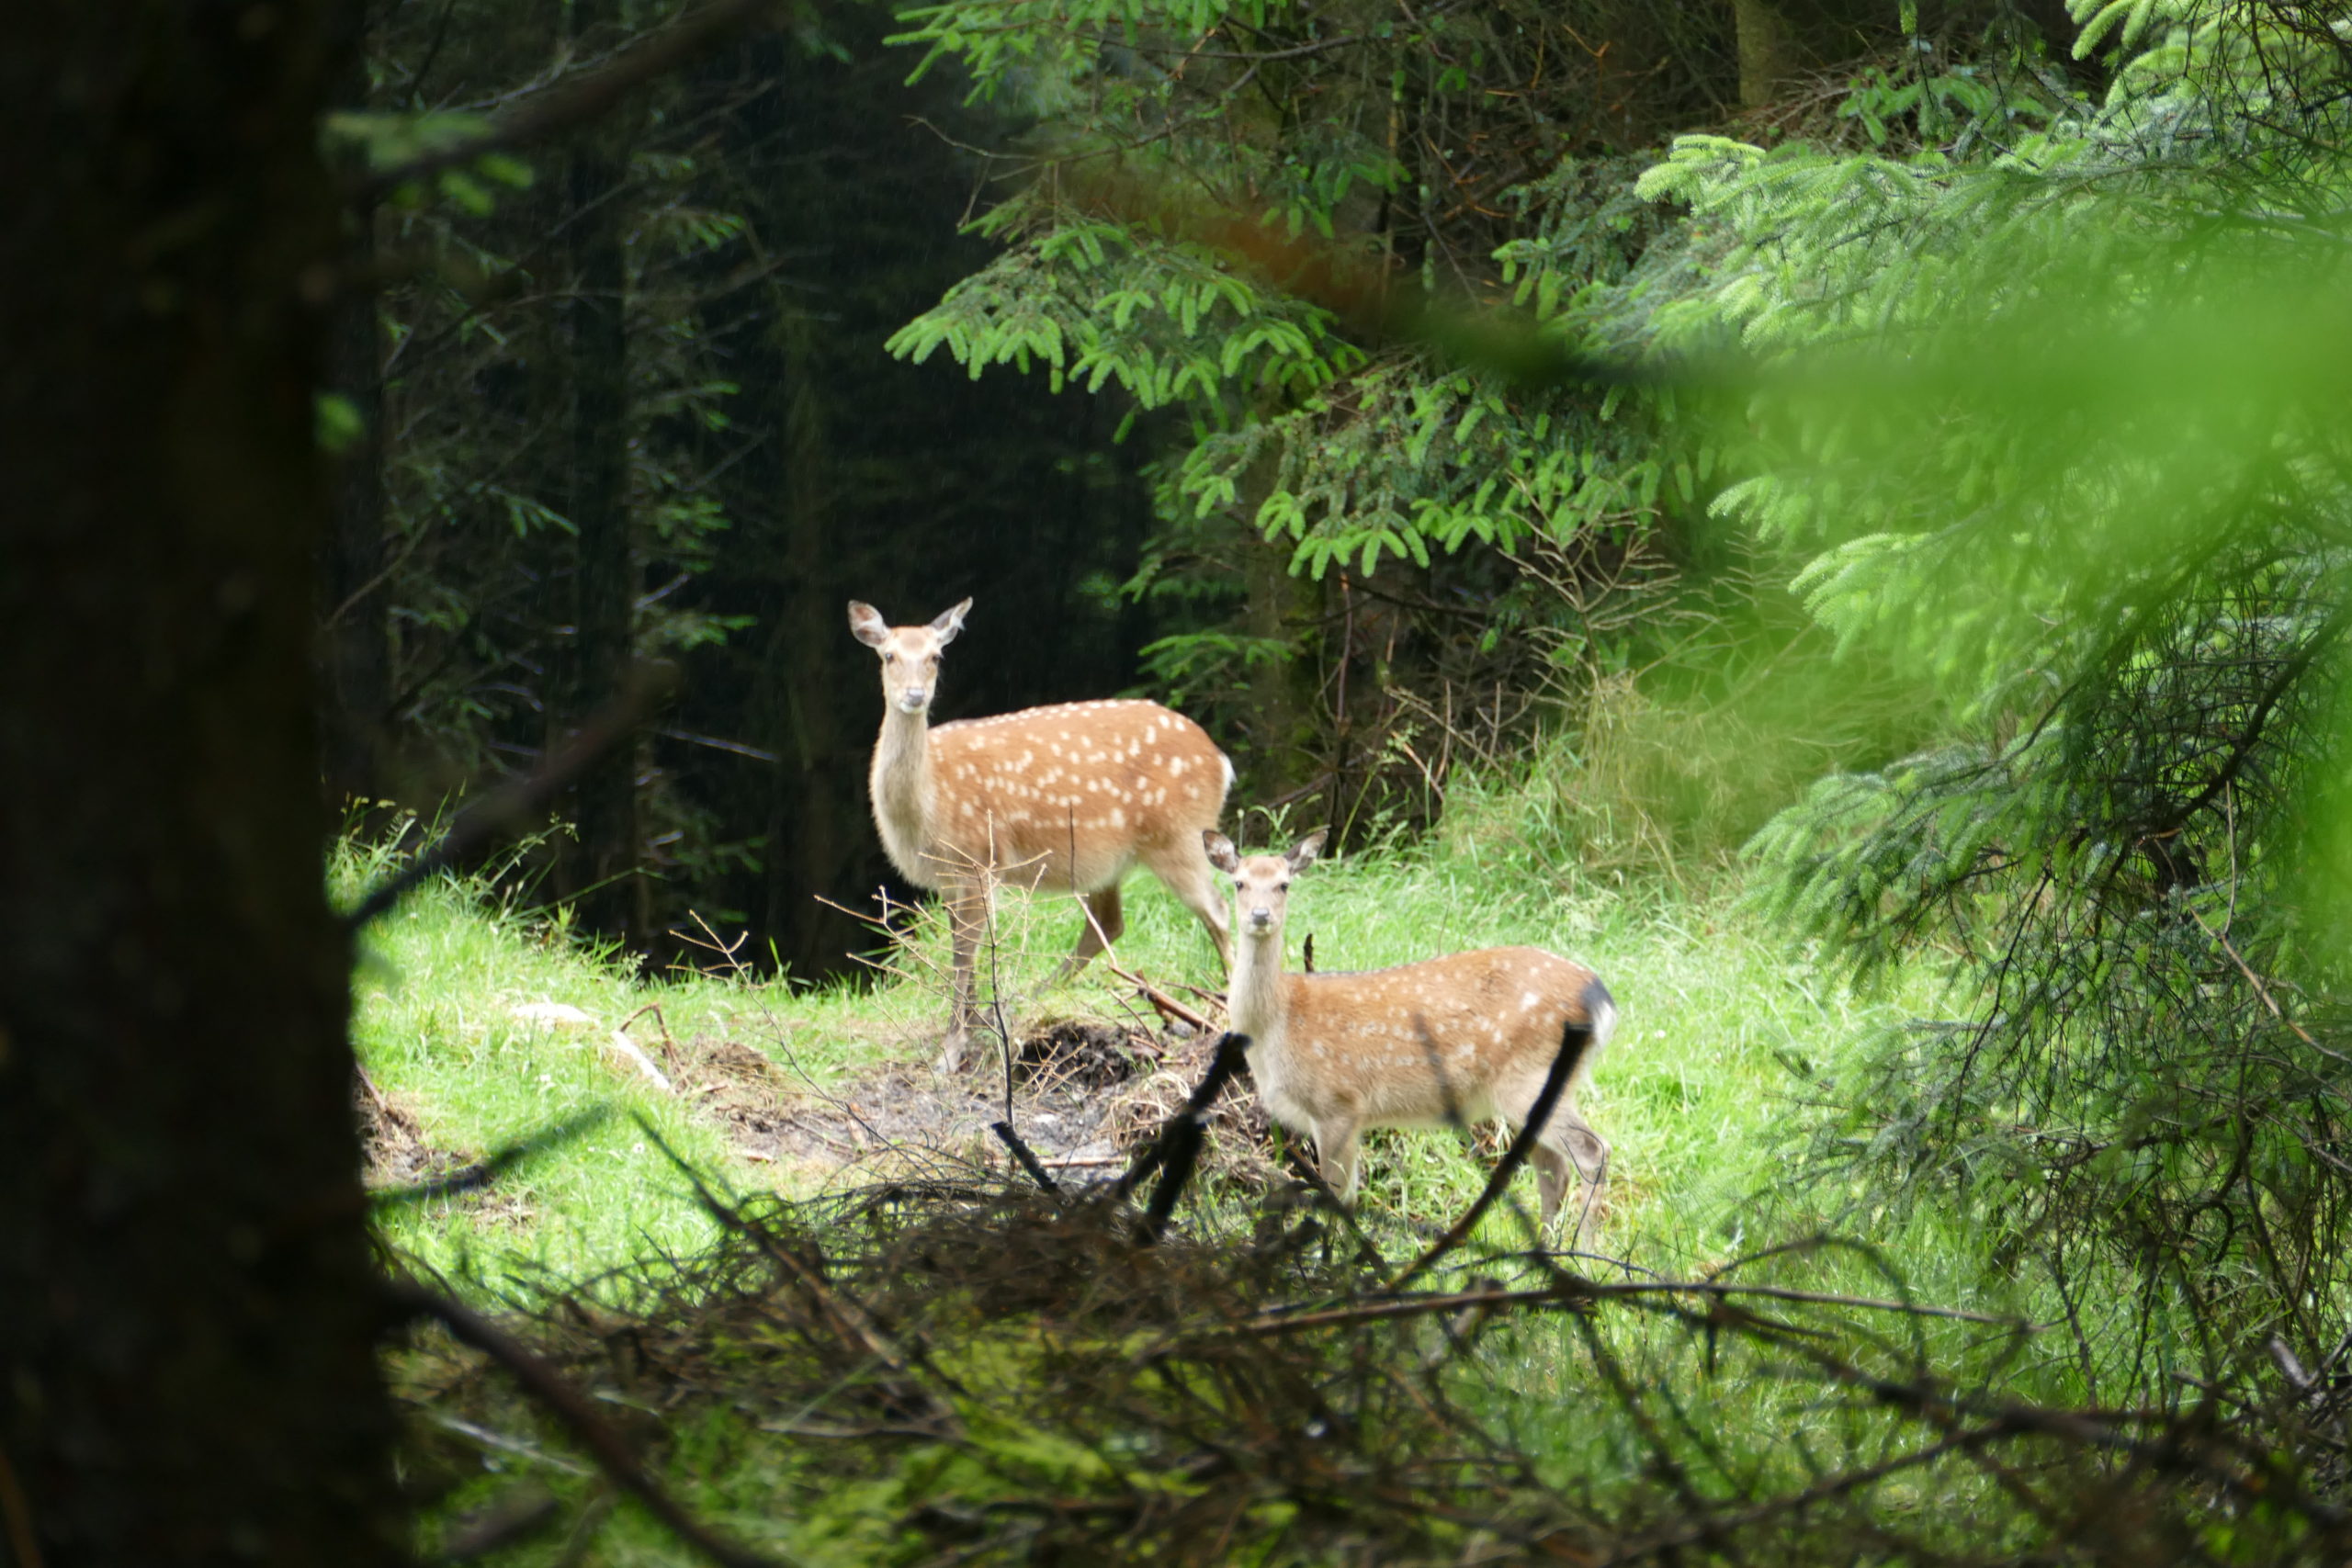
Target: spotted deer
1457, 1038
1066, 799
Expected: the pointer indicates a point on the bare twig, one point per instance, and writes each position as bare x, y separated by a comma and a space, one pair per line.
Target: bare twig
2260, 989
1169, 1005
1576, 1292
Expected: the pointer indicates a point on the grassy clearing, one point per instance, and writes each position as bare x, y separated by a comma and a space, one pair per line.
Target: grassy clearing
1723, 1034
1695, 1093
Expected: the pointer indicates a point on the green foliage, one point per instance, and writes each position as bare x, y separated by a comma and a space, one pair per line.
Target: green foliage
1093, 302
1227, 201
2054, 417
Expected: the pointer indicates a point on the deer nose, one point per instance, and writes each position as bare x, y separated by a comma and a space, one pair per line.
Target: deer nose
1261, 916
914, 699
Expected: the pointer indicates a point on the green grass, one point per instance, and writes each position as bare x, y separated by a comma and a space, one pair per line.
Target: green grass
1696, 1093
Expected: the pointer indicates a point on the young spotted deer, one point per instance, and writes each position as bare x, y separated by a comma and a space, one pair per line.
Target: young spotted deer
1064, 799
1460, 1038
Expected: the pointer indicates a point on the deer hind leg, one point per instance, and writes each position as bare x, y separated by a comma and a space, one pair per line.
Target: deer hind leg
1567, 1144
1104, 923
1186, 871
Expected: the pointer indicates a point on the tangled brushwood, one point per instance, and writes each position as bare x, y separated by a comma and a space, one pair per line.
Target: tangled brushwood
991, 1371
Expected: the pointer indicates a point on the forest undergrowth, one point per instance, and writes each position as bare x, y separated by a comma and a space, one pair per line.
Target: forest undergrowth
837, 1337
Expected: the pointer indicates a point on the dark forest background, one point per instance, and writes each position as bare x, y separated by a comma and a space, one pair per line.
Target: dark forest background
639, 409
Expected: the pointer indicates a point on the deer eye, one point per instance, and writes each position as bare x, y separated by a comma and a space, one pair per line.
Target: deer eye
889, 658
1281, 886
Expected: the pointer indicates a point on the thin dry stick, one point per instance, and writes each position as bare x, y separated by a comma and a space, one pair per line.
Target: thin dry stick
2259, 988
1574, 1291
1169, 1005
669, 1041
383, 1104
547, 1385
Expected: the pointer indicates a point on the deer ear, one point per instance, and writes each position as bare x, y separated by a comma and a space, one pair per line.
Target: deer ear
1220, 851
867, 624
1304, 853
950, 622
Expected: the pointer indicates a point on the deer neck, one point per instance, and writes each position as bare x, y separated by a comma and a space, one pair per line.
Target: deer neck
901, 784
1260, 1007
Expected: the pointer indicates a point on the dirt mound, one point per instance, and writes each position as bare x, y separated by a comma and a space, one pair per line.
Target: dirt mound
1084, 1053
1066, 1075
394, 1150
743, 1089
1240, 1143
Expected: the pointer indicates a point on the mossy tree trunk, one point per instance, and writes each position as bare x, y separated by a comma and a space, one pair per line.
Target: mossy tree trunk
186, 1321
1780, 39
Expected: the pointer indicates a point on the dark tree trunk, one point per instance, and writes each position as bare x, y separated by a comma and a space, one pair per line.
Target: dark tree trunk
1284, 756
354, 652
1770, 50
186, 1313
611, 894
812, 679
1780, 39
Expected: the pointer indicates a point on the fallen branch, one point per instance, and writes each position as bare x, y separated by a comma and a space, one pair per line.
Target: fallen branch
1020, 1152
587, 97
1169, 1008
1574, 1291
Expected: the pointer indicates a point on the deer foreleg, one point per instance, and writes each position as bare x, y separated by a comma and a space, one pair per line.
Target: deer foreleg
966, 912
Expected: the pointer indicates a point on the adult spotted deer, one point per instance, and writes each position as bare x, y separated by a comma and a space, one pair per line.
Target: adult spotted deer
1456, 1039
1066, 799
